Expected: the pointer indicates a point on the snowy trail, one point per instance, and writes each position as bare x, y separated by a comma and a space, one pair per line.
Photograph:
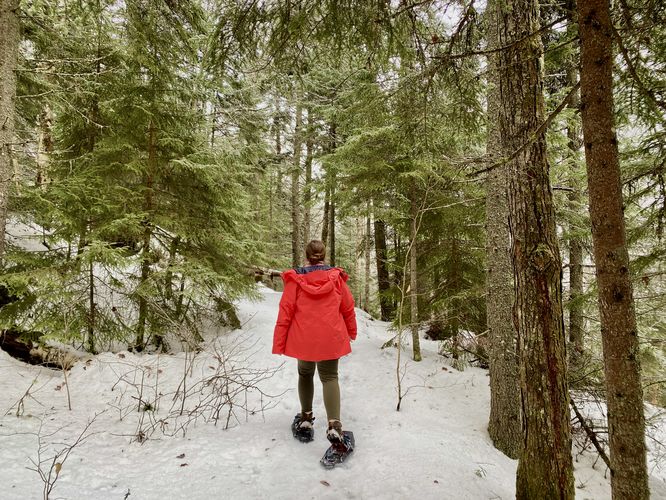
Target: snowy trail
436, 447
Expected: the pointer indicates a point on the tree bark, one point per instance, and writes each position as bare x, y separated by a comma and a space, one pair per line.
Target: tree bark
367, 250
413, 281
168, 275
331, 225
307, 188
296, 249
626, 421
331, 208
545, 468
398, 276
276, 167
504, 420
576, 319
9, 45
277, 123
383, 278
148, 180
44, 146
327, 209
454, 280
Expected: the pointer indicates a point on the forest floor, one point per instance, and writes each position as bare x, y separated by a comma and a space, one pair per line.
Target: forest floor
435, 447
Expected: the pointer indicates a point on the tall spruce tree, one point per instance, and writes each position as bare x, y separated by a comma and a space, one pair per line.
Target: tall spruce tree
545, 467
132, 177
505, 419
624, 393
296, 250
9, 46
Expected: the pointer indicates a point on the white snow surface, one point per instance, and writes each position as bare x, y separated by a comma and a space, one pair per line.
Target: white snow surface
435, 447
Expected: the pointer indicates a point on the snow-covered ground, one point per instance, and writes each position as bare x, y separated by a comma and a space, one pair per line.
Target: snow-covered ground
435, 447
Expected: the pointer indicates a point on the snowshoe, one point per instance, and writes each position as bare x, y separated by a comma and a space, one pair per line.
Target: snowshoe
302, 428
339, 450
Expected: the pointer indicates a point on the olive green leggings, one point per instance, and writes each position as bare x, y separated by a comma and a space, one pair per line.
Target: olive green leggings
328, 374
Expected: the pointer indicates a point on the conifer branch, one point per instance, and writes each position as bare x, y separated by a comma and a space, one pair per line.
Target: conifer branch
534, 137
649, 93
410, 7
504, 47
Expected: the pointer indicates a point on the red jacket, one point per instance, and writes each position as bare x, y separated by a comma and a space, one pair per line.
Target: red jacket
316, 318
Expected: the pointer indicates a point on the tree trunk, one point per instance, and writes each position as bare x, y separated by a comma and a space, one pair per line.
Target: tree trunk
307, 193
355, 257
383, 278
296, 249
327, 209
398, 270
145, 275
9, 45
545, 467
277, 123
331, 208
576, 319
44, 146
413, 282
455, 286
331, 226
168, 275
504, 420
278, 152
575, 245
367, 250
89, 341
139, 343
626, 422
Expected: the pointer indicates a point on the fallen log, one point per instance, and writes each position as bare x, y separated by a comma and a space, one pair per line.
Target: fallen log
19, 344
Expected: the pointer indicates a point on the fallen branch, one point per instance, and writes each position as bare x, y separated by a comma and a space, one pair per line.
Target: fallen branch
590, 433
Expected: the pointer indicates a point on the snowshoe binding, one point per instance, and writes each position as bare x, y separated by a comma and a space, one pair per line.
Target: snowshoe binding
342, 445
302, 427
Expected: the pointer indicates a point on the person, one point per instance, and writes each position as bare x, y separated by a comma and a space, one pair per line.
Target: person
316, 324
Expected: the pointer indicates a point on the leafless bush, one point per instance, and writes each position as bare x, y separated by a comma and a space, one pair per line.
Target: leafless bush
49, 468
656, 438
465, 349
18, 408
228, 390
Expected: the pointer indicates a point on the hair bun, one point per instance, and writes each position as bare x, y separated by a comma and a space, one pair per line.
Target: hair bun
315, 252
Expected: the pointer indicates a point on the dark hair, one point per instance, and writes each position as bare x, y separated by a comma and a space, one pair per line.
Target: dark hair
315, 252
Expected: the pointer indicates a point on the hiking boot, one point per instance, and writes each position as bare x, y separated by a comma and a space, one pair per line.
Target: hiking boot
302, 427
334, 432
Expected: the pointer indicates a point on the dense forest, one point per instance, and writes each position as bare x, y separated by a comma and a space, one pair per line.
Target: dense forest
493, 170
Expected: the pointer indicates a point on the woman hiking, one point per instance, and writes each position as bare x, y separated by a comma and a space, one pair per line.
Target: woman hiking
315, 325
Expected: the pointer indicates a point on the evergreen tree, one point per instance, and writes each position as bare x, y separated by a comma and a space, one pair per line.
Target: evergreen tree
159, 222
9, 45
505, 418
624, 392
545, 465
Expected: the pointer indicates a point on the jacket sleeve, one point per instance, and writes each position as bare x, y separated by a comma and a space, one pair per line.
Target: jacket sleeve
286, 313
348, 312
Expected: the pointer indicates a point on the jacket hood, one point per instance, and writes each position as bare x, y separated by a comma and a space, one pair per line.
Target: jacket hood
316, 282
